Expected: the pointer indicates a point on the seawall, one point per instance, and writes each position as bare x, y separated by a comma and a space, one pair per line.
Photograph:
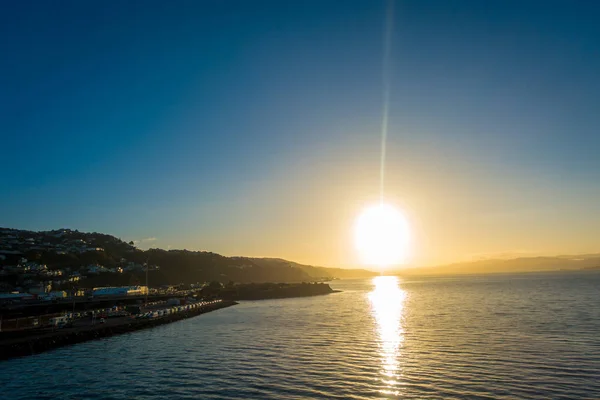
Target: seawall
18, 347
264, 291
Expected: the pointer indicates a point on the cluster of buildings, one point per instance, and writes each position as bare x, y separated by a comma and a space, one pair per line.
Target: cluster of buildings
33, 275
24, 279
39, 291
44, 293
14, 241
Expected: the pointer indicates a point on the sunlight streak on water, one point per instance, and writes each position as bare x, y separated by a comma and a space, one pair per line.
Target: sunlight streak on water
525, 336
387, 303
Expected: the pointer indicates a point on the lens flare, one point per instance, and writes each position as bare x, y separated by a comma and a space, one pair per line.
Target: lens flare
387, 88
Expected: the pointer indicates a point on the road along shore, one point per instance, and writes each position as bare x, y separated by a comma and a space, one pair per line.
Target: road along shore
34, 344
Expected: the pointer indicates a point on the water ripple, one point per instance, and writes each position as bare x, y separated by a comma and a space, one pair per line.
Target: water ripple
499, 337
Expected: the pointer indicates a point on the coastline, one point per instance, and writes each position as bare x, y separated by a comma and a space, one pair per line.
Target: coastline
42, 342
14, 344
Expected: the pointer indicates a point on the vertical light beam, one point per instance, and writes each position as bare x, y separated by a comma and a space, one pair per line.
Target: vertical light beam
386, 81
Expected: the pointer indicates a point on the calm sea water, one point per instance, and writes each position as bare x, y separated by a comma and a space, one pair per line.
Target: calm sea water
489, 337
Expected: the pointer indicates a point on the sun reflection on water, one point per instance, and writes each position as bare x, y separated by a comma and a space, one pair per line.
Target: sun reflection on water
387, 302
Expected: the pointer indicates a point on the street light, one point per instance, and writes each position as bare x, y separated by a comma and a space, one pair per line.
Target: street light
147, 290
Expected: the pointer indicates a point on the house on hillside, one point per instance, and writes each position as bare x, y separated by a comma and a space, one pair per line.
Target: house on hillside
96, 269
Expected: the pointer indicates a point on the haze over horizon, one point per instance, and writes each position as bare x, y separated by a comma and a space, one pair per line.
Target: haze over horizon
254, 130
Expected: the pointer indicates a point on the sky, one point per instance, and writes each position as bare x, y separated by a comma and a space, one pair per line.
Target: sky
254, 128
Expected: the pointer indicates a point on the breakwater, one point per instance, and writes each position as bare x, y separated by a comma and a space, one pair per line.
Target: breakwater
264, 291
17, 347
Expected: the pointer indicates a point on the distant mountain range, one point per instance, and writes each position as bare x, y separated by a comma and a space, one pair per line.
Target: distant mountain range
62, 257
521, 264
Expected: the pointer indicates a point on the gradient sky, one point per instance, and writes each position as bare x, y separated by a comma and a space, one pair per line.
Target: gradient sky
253, 127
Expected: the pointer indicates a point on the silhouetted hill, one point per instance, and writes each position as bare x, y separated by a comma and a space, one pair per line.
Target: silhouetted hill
522, 264
195, 266
98, 259
315, 271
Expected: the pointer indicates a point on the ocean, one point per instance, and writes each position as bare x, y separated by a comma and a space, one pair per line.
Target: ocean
525, 336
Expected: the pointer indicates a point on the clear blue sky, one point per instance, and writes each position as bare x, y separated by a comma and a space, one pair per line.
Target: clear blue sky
252, 127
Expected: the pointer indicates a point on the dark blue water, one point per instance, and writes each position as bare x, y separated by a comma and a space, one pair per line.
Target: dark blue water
489, 337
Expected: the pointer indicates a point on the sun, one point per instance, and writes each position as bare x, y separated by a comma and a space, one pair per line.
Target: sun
382, 236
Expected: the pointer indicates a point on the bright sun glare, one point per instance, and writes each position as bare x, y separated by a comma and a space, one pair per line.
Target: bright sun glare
382, 236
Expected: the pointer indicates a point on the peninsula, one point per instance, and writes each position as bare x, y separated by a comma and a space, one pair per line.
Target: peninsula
64, 287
